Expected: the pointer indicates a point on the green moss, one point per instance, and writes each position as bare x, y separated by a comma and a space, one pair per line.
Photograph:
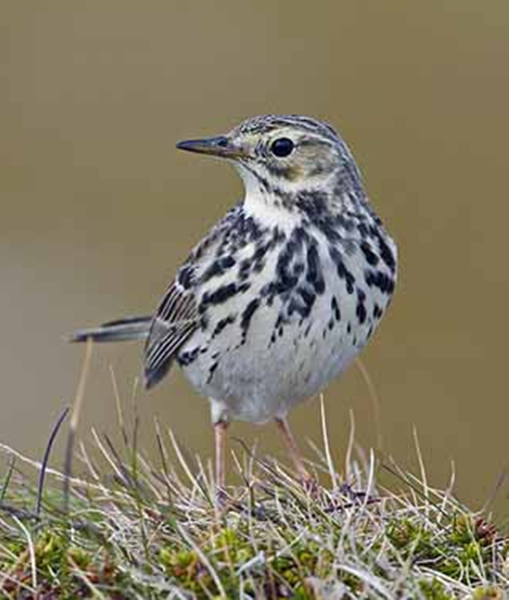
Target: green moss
51, 552
181, 564
454, 549
490, 592
434, 590
412, 540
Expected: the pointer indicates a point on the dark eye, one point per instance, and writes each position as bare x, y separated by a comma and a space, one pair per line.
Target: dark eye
282, 147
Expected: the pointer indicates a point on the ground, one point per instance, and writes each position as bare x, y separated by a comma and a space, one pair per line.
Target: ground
126, 527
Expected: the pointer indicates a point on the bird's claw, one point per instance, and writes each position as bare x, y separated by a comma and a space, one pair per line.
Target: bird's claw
310, 485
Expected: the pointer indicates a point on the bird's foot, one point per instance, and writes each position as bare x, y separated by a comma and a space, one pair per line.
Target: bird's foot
310, 484
221, 497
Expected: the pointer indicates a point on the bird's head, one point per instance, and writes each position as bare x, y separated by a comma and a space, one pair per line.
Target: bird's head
282, 152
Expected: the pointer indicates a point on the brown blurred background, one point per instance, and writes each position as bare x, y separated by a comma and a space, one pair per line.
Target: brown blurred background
98, 209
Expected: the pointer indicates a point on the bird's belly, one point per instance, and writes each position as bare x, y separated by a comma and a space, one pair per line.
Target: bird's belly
261, 376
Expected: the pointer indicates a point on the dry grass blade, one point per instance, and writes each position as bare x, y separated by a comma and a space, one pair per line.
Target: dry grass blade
501, 479
7, 478
349, 449
375, 401
204, 559
325, 436
73, 425
31, 551
118, 405
42, 473
422, 469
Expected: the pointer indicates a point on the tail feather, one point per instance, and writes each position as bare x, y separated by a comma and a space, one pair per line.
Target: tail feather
121, 330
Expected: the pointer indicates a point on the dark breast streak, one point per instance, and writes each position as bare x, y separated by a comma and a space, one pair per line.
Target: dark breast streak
298, 279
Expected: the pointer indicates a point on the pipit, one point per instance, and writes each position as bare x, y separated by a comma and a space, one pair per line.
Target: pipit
280, 296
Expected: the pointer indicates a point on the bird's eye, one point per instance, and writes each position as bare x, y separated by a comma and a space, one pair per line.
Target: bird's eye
282, 147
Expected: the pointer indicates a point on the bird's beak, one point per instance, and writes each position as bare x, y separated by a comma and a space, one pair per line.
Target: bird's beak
216, 146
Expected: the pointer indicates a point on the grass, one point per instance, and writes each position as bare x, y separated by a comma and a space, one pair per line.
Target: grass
132, 529
129, 527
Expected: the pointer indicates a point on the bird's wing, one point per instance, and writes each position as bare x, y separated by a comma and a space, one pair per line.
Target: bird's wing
176, 319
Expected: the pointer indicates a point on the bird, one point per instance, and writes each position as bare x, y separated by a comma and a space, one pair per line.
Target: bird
280, 296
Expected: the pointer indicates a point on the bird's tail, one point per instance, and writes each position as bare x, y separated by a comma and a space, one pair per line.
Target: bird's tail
122, 330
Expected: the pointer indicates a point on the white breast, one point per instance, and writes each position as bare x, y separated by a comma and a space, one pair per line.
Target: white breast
270, 372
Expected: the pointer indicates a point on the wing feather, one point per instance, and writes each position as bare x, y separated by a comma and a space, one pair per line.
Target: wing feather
177, 317
175, 321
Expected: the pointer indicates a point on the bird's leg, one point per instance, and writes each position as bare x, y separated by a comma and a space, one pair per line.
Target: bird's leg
220, 442
295, 454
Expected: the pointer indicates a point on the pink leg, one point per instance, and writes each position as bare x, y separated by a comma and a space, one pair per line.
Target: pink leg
294, 452
220, 429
